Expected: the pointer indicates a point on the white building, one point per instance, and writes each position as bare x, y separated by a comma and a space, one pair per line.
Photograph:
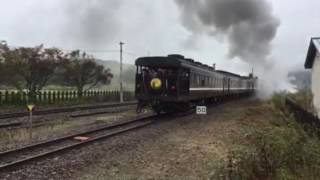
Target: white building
313, 62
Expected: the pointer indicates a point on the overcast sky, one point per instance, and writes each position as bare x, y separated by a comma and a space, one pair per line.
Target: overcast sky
148, 28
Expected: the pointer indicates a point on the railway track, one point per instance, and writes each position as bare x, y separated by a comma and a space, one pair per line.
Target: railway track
19, 125
109, 108
63, 110
14, 158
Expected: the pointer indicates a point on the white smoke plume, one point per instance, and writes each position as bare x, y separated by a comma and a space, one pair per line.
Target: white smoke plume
92, 23
248, 25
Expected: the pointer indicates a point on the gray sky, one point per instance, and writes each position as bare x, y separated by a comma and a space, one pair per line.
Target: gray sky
150, 27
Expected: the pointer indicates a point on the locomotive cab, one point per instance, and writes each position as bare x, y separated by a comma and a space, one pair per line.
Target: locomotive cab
156, 82
160, 82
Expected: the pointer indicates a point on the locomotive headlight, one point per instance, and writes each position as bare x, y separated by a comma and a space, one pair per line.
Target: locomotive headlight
155, 83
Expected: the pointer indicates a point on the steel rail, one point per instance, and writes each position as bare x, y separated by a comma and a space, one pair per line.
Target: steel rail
62, 110
20, 155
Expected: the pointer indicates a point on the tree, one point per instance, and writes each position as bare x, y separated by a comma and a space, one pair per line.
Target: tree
30, 68
3, 72
81, 71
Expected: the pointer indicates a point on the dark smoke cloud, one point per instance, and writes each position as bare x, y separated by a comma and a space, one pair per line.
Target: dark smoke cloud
92, 23
248, 25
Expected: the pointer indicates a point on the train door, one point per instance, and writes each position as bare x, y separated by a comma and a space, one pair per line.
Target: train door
139, 81
171, 83
184, 82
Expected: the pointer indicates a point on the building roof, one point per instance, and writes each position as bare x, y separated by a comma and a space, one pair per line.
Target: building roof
314, 48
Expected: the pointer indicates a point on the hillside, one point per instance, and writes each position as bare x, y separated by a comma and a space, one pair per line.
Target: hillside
300, 78
129, 71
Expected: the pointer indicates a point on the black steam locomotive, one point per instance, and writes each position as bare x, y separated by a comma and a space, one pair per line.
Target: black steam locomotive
173, 83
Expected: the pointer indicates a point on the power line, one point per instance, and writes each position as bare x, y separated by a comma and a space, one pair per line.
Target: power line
70, 50
95, 51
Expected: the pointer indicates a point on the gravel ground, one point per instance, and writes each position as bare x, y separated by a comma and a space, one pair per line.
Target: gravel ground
188, 147
57, 125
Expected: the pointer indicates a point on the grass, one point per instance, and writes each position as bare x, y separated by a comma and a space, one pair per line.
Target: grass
73, 102
9, 137
280, 149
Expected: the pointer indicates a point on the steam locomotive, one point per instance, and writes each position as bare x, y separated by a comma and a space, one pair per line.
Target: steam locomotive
174, 83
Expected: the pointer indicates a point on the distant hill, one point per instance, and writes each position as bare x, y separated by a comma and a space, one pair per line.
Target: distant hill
300, 78
128, 75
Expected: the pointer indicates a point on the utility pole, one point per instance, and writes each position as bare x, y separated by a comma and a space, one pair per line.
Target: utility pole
121, 87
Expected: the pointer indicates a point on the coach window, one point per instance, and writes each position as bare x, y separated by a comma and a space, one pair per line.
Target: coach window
196, 76
197, 79
207, 82
202, 81
192, 79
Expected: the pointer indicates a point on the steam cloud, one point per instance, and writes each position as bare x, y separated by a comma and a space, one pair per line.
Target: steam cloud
248, 25
92, 23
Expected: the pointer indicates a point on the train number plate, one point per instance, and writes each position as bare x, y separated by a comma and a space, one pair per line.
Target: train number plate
201, 110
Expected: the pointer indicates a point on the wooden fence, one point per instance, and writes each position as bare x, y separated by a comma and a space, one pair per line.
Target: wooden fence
51, 97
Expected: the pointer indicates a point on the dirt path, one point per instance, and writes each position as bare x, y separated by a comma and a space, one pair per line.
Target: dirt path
189, 147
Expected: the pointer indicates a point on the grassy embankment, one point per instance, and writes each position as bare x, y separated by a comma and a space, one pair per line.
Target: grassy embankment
276, 147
